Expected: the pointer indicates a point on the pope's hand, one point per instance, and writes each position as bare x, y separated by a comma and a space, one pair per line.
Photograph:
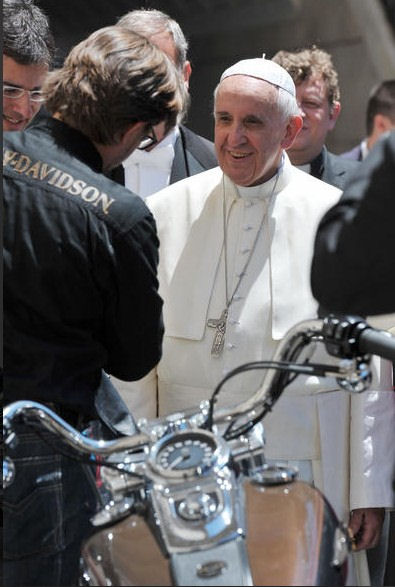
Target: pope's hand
365, 527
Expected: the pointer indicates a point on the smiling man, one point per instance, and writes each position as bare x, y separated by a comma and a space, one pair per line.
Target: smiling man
28, 48
235, 252
318, 97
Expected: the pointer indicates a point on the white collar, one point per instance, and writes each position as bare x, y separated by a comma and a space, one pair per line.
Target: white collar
306, 167
170, 139
164, 150
263, 190
364, 149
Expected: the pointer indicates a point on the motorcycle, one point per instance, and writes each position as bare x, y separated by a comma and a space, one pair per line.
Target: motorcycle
189, 499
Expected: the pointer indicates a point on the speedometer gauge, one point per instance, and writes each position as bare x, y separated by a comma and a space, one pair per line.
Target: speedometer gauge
185, 453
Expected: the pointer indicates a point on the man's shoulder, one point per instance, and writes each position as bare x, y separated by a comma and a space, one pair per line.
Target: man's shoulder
311, 184
185, 198
194, 186
386, 145
337, 169
340, 163
38, 160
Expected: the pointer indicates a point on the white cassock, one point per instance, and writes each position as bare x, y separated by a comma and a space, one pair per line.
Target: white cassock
345, 444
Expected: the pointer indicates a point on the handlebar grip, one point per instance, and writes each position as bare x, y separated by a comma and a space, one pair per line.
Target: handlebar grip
377, 342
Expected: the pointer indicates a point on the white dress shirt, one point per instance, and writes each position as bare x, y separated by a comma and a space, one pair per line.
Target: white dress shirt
147, 172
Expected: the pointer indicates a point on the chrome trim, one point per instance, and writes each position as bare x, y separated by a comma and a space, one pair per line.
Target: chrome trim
219, 458
274, 475
341, 547
52, 422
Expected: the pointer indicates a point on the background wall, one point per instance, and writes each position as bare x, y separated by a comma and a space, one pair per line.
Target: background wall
358, 33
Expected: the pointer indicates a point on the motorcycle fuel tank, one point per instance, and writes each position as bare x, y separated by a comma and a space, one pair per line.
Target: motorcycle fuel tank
292, 538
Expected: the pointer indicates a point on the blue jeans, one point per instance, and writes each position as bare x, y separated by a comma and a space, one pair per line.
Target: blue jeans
46, 513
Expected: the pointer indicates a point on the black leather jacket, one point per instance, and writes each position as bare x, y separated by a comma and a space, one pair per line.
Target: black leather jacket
80, 281
353, 266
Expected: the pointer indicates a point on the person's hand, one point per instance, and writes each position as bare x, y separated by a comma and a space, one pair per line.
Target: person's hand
365, 527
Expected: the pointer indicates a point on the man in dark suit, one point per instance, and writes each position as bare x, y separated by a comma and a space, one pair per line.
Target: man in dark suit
380, 118
178, 152
318, 96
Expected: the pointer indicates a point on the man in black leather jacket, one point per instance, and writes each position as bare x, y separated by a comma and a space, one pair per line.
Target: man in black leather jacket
353, 268
81, 289
354, 259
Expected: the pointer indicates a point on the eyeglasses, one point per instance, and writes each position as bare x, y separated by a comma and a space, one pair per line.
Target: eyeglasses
14, 92
148, 140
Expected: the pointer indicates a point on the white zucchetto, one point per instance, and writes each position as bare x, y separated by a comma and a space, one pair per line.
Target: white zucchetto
264, 69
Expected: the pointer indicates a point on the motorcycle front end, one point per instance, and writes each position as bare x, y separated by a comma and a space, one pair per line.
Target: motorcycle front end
214, 513
189, 499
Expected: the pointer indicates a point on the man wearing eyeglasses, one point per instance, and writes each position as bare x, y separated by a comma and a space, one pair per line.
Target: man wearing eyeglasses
28, 49
80, 282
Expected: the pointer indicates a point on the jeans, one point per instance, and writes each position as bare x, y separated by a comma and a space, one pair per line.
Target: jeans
46, 512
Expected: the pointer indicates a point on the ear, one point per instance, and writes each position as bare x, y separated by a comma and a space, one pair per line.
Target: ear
294, 125
334, 114
187, 70
382, 123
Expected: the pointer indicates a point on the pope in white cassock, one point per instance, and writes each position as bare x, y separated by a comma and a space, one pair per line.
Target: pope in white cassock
236, 246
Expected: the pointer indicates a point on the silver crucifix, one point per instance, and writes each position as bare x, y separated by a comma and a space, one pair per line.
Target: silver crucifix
220, 328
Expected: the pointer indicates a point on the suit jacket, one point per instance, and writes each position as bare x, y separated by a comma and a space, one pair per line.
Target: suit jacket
332, 169
354, 262
192, 154
355, 154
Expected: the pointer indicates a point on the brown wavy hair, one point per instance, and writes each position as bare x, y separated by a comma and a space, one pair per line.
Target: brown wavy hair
312, 62
112, 79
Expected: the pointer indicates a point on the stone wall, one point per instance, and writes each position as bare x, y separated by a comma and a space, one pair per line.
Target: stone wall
355, 32
220, 32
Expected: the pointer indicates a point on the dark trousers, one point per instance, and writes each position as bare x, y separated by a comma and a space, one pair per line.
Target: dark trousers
46, 513
389, 578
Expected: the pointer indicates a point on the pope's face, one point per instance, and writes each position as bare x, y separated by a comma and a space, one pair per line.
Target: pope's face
249, 130
319, 117
18, 112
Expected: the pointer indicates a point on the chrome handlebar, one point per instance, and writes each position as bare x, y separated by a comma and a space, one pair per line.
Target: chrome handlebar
52, 422
338, 334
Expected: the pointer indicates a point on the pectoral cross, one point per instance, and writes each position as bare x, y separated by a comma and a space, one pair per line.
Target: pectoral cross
220, 328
